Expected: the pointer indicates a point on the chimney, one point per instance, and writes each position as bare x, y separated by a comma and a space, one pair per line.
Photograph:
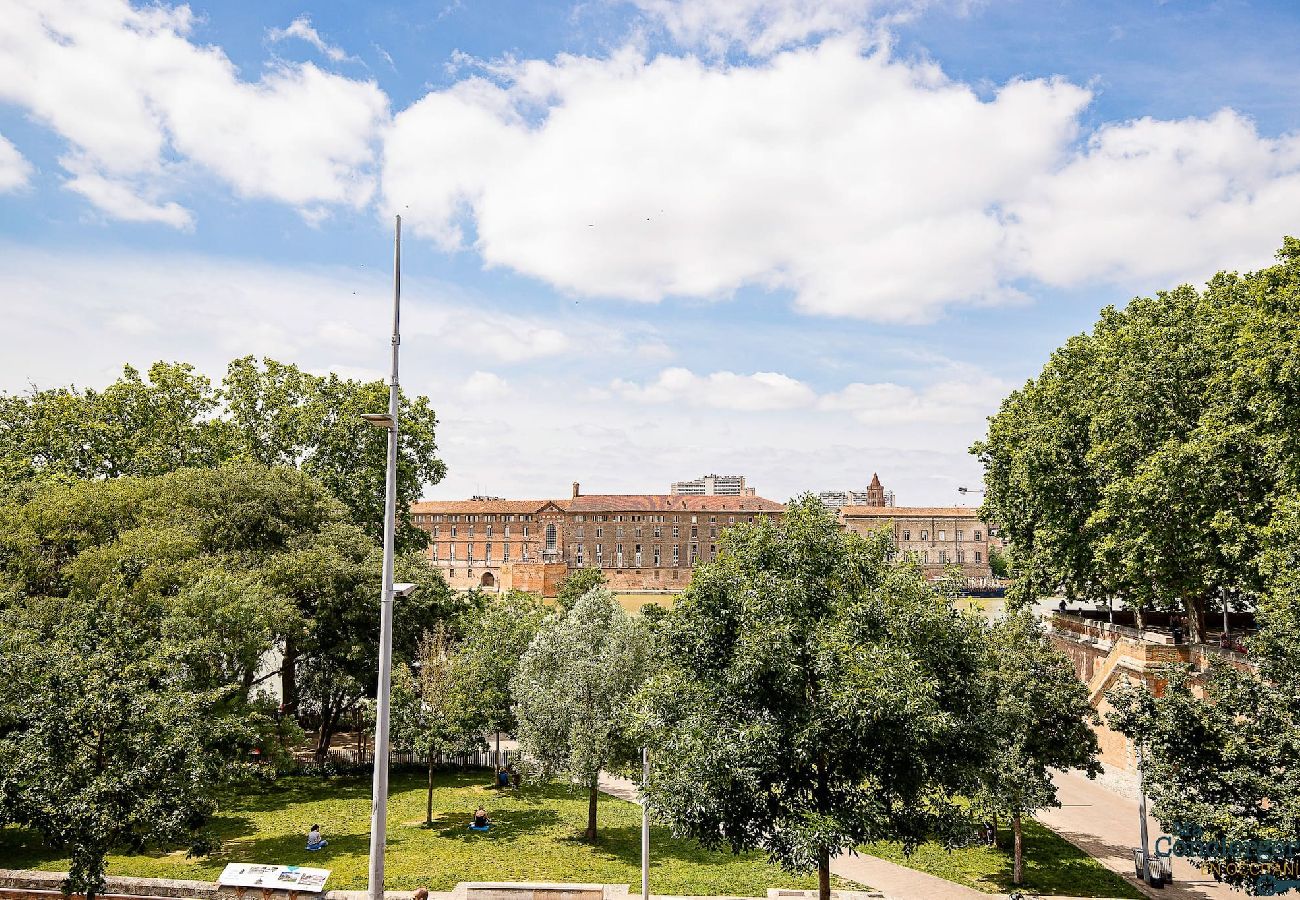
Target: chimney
575, 489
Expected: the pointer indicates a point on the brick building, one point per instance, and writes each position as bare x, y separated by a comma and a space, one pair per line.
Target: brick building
937, 537
651, 542
642, 542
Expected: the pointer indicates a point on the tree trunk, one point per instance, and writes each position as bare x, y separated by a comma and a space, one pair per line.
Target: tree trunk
428, 806
289, 677
498, 759
1015, 827
995, 831
823, 874
1195, 606
328, 722
590, 835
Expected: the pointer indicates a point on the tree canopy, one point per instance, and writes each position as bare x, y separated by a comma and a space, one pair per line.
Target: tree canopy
814, 696
1149, 458
270, 412
573, 691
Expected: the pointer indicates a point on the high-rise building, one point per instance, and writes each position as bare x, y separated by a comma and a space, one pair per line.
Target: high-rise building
873, 495
713, 486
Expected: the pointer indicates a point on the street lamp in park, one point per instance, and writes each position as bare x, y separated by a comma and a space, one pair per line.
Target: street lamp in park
387, 421
965, 490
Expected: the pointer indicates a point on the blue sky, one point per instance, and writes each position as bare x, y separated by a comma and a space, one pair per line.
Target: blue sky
806, 241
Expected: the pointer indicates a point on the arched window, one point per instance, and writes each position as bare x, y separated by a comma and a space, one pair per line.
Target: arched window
488, 580
550, 537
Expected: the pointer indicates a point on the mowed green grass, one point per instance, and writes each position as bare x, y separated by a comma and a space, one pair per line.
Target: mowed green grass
536, 836
1052, 865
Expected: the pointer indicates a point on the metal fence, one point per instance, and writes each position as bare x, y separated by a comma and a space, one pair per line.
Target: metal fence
478, 759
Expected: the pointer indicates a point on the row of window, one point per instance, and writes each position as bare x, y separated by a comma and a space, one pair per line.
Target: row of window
424, 518
941, 535
923, 557
469, 532
636, 557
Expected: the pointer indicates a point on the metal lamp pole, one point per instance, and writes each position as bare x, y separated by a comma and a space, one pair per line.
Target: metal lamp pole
379, 803
645, 824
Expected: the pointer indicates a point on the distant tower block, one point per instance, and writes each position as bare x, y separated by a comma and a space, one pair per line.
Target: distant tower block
713, 486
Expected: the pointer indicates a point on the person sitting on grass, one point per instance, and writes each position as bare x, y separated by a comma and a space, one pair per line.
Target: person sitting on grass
480, 822
314, 840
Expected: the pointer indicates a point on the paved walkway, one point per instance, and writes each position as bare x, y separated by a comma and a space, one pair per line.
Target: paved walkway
1104, 825
1099, 821
899, 882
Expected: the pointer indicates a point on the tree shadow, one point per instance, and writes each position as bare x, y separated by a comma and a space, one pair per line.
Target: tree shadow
507, 824
623, 843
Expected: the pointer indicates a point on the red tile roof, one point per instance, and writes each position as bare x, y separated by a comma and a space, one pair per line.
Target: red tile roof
906, 512
585, 503
477, 506
668, 503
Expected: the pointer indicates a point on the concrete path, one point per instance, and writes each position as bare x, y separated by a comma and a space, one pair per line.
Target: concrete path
1105, 825
899, 882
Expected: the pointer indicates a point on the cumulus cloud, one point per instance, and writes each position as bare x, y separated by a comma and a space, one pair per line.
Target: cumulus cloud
956, 394
14, 170
302, 29
720, 390
962, 394
137, 100
1149, 199
865, 185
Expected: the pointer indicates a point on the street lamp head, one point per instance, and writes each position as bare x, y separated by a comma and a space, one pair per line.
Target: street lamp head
379, 420
403, 589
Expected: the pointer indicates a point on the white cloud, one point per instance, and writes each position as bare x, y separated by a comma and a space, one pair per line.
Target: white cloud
129, 91
485, 386
961, 395
1148, 200
762, 27
209, 310
866, 185
957, 394
302, 29
14, 170
720, 390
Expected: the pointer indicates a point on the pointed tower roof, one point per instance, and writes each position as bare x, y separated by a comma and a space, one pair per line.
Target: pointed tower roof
875, 480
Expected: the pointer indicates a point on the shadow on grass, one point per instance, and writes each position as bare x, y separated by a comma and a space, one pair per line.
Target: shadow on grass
623, 843
507, 825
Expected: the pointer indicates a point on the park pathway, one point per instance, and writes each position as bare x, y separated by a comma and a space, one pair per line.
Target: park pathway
1104, 825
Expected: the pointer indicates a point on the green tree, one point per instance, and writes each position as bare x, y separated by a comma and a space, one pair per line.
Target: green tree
271, 412
103, 742
577, 584
999, 564
813, 697
135, 426
1040, 720
573, 691
1148, 459
496, 638
1223, 768
436, 709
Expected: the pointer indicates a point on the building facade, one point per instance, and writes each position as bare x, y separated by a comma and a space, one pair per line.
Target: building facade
652, 542
642, 542
713, 486
938, 538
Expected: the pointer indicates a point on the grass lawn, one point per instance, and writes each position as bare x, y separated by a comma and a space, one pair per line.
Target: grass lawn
1052, 865
536, 836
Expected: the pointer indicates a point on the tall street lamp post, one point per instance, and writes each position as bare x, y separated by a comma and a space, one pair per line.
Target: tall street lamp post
379, 802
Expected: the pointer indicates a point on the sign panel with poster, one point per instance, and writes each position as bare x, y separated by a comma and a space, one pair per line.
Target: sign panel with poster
269, 877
